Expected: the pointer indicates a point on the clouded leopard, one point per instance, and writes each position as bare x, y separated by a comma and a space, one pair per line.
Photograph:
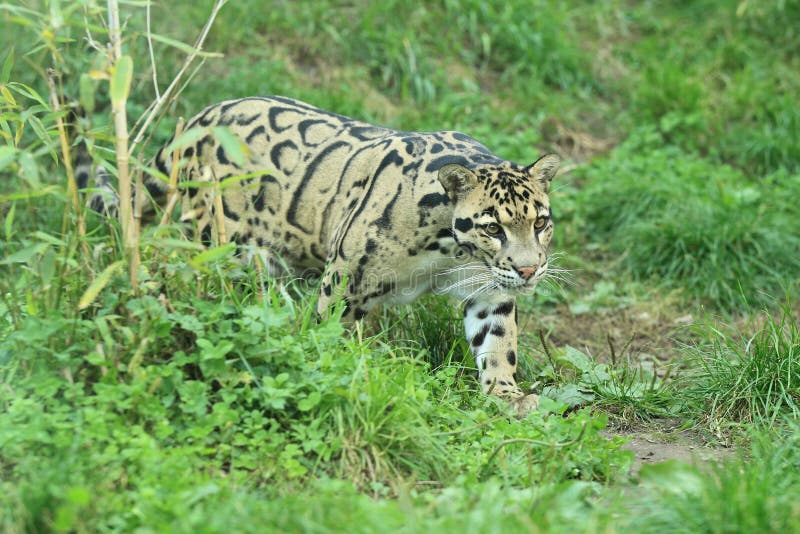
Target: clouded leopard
385, 215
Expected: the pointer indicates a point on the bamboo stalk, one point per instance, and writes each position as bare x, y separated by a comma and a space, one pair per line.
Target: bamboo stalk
121, 144
72, 184
66, 156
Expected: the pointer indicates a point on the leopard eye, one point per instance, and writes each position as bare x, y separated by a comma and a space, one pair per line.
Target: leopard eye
539, 223
494, 229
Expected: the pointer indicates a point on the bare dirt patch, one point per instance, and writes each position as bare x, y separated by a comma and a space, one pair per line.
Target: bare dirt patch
661, 441
640, 332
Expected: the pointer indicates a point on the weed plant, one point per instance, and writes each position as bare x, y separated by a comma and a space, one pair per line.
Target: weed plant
629, 391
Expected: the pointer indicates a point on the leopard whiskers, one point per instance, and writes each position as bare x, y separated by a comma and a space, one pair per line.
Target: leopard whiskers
475, 265
561, 275
554, 280
480, 278
485, 288
556, 274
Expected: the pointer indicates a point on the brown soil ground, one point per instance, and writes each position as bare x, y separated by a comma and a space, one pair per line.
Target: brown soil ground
660, 441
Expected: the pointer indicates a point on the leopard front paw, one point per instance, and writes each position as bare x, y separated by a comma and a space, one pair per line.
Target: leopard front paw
501, 386
525, 404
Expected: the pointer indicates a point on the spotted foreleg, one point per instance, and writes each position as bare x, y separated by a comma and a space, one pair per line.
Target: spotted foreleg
491, 329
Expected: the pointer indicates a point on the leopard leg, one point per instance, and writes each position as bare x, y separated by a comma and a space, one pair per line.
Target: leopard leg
340, 284
356, 273
491, 330
330, 290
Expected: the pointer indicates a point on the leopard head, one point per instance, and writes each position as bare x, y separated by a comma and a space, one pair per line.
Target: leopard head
502, 220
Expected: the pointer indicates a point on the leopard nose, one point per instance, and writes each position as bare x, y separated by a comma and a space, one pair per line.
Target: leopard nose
527, 272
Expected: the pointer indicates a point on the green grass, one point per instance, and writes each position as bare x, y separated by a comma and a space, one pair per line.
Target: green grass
743, 494
208, 394
702, 227
746, 378
211, 399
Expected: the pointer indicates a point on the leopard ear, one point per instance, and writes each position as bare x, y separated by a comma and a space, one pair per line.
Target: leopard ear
544, 169
457, 180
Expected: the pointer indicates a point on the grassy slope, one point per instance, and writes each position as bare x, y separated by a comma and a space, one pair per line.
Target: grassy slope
208, 397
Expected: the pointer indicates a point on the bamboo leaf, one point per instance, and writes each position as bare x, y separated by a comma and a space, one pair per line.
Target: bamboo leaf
25, 255
98, 284
24, 90
213, 254
27, 195
183, 47
7, 155
166, 244
236, 180
9, 223
7, 96
189, 184
47, 238
121, 80
87, 93
8, 64
39, 129
232, 145
186, 138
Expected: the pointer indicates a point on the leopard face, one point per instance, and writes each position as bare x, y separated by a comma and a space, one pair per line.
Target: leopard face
502, 220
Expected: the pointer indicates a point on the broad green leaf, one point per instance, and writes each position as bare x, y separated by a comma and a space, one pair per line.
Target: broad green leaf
210, 351
196, 495
87, 93
574, 358
549, 405
98, 284
569, 394
121, 80
66, 517
234, 148
29, 170
309, 402
193, 397
78, 495
213, 254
